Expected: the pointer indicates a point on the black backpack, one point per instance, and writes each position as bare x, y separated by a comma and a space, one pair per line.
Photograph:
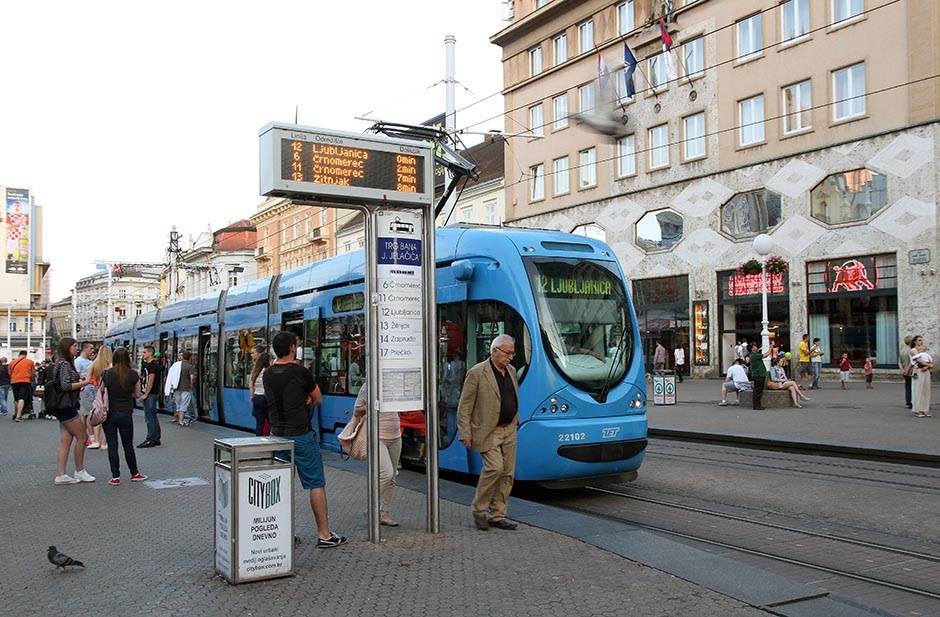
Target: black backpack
53, 395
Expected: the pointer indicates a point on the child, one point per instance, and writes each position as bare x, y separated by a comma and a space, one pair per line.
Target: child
869, 373
844, 367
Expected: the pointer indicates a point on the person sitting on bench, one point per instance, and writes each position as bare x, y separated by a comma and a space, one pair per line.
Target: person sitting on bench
736, 381
778, 381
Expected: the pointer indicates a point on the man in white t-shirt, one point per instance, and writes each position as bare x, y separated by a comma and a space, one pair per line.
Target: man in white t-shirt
678, 355
736, 381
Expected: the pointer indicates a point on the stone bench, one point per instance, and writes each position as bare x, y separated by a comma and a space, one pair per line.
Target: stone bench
772, 399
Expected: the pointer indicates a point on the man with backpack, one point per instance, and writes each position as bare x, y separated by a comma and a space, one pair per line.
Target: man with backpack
22, 374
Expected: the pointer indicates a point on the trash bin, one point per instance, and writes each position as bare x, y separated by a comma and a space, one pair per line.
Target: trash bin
664, 388
254, 508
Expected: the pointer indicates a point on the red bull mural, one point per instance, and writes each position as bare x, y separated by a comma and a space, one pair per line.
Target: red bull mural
851, 276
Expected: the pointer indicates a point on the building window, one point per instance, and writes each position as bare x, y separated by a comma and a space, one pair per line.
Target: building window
586, 36
28, 320
489, 211
324, 217
659, 146
846, 9
561, 48
622, 87
797, 107
560, 172
591, 230
535, 61
560, 107
537, 182
693, 128
748, 214
848, 88
659, 71
693, 55
750, 36
794, 16
466, 214
626, 17
588, 168
537, 120
232, 279
586, 97
540, 3
849, 197
659, 230
626, 156
122, 294
751, 114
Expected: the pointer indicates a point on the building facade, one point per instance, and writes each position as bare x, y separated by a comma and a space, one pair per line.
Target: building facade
482, 201
781, 118
291, 235
100, 304
60, 318
214, 262
23, 280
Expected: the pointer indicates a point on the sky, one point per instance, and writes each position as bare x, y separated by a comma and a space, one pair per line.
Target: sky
125, 118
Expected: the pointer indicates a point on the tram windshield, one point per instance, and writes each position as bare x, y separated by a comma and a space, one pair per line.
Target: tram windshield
584, 319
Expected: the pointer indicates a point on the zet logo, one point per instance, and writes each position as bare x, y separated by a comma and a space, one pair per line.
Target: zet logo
609, 432
264, 493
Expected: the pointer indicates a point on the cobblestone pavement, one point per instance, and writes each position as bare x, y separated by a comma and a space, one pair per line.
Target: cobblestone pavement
149, 552
857, 417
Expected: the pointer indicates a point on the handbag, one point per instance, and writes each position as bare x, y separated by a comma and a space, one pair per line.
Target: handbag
100, 406
53, 395
353, 438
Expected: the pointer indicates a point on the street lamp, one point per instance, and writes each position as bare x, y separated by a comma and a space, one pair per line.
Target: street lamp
763, 245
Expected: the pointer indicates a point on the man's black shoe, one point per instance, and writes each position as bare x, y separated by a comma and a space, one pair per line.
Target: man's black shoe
481, 523
146, 444
759, 408
504, 524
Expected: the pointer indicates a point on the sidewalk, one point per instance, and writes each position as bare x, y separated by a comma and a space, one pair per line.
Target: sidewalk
859, 418
149, 552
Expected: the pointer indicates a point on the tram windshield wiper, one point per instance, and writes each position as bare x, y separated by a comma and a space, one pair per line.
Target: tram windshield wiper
602, 395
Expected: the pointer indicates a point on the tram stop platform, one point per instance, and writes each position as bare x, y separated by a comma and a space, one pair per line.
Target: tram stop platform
860, 421
149, 550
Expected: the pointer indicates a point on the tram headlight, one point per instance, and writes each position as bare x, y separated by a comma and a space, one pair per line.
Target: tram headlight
564, 408
554, 409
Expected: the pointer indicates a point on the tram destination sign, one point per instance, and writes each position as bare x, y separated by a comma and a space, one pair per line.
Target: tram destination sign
315, 164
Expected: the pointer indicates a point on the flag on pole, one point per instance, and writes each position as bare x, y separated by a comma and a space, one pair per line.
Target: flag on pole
603, 73
629, 61
671, 72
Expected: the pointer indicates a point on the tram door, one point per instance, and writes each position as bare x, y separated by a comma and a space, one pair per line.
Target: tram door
293, 322
206, 374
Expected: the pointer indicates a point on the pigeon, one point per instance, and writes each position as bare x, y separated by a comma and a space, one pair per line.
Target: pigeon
62, 561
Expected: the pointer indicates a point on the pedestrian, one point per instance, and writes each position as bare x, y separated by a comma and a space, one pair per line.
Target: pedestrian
736, 381
659, 357
22, 374
869, 373
740, 350
845, 368
389, 454
123, 384
758, 373
61, 398
803, 361
4, 386
678, 355
907, 369
815, 361
291, 393
488, 418
259, 404
150, 396
96, 437
179, 384
86, 396
922, 363
777, 380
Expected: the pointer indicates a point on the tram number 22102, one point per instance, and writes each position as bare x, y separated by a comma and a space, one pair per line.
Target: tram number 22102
572, 436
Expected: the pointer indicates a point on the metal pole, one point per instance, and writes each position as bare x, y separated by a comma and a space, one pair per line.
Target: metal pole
429, 298
29, 332
74, 314
9, 327
450, 113
765, 331
372, 361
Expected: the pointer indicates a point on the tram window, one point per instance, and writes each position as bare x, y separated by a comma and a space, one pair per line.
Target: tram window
341, 367
348, 302
238, 365
489, 319
311, 344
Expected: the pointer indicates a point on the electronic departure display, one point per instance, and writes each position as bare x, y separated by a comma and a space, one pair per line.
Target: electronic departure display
314, 164
359, 167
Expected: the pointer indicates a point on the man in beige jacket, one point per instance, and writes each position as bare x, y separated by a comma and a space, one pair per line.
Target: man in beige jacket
488, 415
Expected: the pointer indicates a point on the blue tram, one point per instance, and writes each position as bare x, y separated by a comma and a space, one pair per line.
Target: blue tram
562, 297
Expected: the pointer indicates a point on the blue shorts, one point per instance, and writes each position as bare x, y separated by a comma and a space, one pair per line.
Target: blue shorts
307, 460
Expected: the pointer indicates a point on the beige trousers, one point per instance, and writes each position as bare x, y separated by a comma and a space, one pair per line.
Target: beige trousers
389, 455
499, 467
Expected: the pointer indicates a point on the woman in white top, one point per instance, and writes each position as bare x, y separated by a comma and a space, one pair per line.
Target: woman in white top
389, 454
259, 403
778, 381
920, 378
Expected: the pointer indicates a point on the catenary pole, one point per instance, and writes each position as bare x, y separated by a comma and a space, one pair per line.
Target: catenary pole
450, 113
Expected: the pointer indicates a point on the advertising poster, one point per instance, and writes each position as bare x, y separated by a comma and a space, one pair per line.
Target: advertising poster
223, 522
401, 317
265, 526
17, 240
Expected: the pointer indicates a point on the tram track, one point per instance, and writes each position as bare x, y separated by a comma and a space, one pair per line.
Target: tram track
865, 553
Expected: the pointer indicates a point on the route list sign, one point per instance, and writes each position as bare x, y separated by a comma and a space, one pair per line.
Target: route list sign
400, 314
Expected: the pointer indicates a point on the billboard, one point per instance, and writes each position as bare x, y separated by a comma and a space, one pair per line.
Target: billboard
17, 239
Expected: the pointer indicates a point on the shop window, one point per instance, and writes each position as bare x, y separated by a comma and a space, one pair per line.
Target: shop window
751, 213
739, 311
662, 313
849, 197
659, 230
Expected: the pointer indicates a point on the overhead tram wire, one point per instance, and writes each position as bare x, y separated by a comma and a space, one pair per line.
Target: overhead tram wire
740, 126
678, 78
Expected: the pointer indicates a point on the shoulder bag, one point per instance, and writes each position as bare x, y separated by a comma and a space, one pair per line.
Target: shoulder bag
353, 438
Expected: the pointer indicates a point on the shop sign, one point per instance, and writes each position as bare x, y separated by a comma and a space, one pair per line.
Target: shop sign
918, 256
852, 275
750, 284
